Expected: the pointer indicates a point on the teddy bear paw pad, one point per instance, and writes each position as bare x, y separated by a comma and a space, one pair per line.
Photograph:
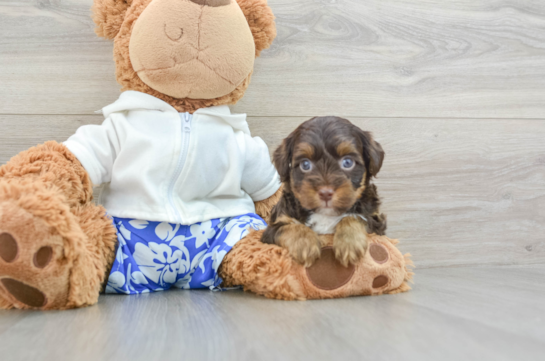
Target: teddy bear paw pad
380, 281
327, 273
26, 294
43, 257
23, 293
379, 253
8, 247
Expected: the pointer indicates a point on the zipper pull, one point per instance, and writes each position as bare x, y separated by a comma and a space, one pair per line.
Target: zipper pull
187, 122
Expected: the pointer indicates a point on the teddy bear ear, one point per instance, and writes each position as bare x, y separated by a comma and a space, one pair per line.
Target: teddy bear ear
108, 16
261, 20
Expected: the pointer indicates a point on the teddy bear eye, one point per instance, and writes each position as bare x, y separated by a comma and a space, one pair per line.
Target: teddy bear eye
306, 165
347, 163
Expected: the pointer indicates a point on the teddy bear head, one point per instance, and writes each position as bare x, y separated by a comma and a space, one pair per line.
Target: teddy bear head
190, 53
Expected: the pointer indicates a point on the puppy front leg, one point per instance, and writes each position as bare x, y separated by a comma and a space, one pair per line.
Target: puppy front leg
350, 240
301, 242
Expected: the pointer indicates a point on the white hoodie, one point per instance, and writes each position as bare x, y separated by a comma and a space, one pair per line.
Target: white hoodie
161, 165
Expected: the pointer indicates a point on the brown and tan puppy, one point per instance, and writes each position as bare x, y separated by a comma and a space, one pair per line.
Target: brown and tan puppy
326, 166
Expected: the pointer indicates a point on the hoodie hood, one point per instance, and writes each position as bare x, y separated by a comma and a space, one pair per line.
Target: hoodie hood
135, 100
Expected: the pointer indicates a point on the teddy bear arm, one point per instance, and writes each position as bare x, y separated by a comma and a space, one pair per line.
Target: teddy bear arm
264, 208
53, 165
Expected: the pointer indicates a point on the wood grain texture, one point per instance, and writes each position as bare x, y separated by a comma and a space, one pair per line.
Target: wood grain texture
457, 192
20, 132
451, 314
51, 62
508, 298
376, 58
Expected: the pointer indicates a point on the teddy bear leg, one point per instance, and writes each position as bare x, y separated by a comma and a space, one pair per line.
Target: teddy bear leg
268, 270
100, 247
54, 244
264, 269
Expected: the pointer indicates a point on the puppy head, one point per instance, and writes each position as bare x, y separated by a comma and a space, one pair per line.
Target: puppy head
327, 163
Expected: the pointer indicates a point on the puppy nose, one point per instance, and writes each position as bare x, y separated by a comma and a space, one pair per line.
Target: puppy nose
325, 193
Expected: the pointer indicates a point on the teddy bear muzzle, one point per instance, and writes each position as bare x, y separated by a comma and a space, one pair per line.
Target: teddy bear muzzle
198, 49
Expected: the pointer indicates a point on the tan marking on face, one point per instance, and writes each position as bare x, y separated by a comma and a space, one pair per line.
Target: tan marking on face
343, 199
350, 240
358, 192
361, 188
346, 148
306, 194
304, 150
345, 196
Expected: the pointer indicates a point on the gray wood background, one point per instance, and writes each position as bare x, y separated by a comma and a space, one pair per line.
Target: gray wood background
454, 91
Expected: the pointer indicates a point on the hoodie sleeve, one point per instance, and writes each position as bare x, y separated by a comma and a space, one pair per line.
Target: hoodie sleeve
260, 179
96, 147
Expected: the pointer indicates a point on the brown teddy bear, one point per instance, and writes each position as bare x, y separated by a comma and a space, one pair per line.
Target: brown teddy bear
185, 183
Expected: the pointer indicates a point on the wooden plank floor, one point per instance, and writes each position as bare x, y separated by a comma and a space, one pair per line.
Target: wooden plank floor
470, 313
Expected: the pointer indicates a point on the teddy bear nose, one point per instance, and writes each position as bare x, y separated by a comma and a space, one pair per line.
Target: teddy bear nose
212, 3
326, 193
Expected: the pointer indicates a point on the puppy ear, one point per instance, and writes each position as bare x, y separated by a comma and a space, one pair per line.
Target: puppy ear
108, 16
282, 157
261, 21
372, 152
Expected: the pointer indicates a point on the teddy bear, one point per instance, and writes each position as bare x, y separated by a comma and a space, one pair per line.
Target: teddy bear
187, 189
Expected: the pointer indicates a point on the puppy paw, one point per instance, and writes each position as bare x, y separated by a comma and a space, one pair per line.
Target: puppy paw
301, 242
350, 241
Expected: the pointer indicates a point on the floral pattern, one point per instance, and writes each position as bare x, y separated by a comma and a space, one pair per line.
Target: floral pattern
155, 256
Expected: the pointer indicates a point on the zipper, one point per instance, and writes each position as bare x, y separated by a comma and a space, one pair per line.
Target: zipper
186, 132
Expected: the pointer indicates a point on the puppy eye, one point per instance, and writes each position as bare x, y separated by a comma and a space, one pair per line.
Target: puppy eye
347, 163
306, 165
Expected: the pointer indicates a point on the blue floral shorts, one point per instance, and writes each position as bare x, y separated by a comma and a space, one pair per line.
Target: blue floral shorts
154, 256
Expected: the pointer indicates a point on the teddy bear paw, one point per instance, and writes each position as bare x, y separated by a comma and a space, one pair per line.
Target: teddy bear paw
33, 270
381, 270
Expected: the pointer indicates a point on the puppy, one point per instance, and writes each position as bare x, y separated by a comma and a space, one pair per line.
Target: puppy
326, 166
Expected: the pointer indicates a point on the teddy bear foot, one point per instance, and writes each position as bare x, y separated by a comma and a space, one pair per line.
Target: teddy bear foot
269, 270
29, 251
51, 256
33, 268
383, 269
